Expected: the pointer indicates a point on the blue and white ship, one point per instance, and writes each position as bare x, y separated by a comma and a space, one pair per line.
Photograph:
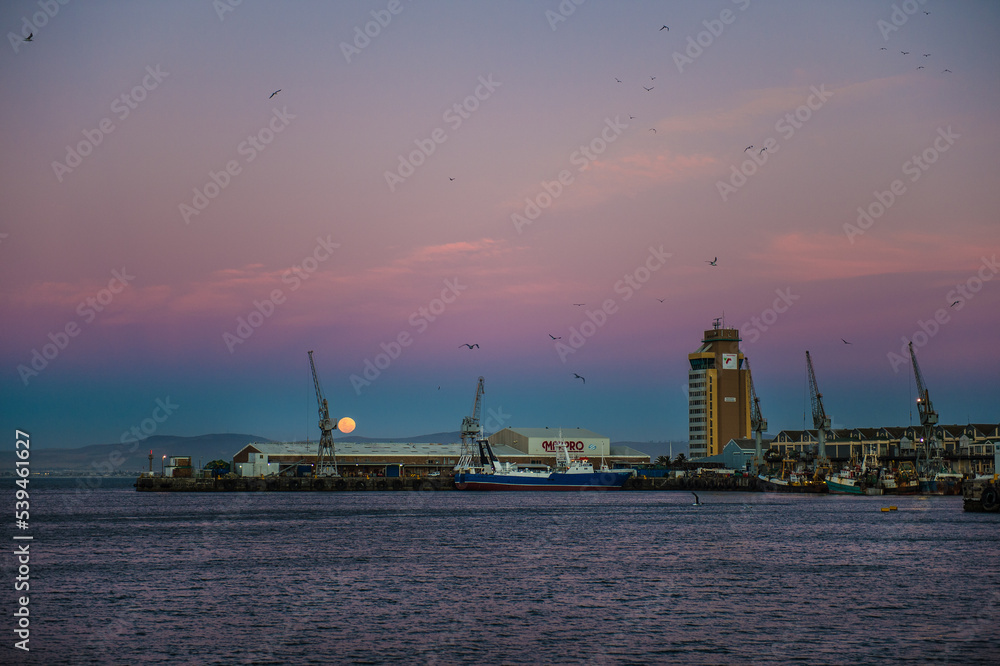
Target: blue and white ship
570, 474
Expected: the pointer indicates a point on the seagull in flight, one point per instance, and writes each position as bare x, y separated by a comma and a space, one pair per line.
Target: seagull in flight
927, 55
905, 52
632, 117
748, 148
921, 67
712, 262
450, 178
947, 70
618, 80
579, 377
652, 78
697, 502
845, 341
882, 49
555, 337
661, 299
647, 89
579, 304
761, 151
653, 130
29, 37
472, 346
275, 93
668, 29
955, 303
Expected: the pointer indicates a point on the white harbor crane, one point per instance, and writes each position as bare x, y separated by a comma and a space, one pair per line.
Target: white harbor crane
757, 421
471, 430
326, 461
820, 420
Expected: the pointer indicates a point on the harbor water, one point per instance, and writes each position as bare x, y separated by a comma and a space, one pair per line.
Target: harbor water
120, 577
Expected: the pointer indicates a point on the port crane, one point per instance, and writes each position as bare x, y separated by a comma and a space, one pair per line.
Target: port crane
757, 421
820, 420
326, 462
471, 429
928, 417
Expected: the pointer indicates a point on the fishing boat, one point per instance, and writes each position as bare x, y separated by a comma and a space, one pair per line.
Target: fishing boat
570, 474
793, 478
845, 483
942, 483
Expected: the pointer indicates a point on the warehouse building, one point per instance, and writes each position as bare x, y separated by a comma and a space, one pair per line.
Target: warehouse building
528, 446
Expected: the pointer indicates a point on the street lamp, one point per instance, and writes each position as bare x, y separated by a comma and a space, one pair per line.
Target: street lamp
162, 461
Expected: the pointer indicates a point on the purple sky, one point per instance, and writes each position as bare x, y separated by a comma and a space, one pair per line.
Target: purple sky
318, 226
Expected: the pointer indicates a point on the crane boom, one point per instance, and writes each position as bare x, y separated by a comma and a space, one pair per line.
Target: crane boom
928, 416
471, 428
820, 419
326, 461
757, 421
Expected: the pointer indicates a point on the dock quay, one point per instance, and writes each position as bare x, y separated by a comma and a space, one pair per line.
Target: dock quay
407, 483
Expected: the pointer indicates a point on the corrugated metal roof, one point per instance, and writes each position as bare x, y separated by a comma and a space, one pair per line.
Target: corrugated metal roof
567, 433
373, 448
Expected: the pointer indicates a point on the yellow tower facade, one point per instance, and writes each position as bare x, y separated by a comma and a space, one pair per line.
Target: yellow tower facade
718, 393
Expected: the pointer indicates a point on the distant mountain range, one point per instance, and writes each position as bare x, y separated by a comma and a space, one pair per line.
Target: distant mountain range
134, 457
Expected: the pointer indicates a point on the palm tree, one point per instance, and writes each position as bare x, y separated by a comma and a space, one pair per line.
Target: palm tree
662, 461
680, 459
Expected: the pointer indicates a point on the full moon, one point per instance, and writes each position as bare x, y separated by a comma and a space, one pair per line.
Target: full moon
345, 425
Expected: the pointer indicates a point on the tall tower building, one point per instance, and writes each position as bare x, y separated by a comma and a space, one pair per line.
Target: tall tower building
718, 393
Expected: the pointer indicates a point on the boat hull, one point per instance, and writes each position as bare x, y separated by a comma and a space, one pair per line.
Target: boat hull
775, 485
557, 481
844, 487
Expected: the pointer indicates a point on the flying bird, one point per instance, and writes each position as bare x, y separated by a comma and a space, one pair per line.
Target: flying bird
632, 117
579, 304
697, 502
947, 70
579, 377
555, 337
29, 37
845, 341
652, 78
618, 80
882, 49
712, 262
762, 151
275, 93
474, 345
668, 29
905, 52
748, 148
927, 13
661, 299
921, 67
653, 130
955, 303
450, 178
927, 55
647, 89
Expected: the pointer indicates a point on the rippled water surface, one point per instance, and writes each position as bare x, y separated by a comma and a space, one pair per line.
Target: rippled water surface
120, 577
